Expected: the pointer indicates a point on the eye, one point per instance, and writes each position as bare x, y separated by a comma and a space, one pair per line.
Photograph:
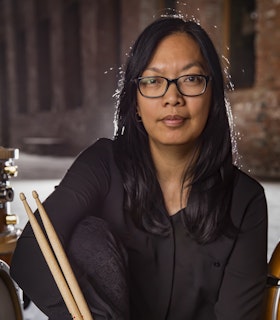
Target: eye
151, 81
193, 79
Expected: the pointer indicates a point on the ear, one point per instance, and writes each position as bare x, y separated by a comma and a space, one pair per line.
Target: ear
138, 112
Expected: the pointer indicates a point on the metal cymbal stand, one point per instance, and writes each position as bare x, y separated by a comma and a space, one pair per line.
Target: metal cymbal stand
8, 231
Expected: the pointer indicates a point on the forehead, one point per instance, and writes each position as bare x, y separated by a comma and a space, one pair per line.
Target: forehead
176, 49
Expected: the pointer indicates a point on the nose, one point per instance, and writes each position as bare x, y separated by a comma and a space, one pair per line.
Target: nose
173, 96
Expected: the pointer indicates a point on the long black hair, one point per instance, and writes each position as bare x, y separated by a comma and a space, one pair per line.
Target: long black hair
207, 212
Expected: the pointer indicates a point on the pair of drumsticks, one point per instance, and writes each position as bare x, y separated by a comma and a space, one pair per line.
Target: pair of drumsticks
58, 262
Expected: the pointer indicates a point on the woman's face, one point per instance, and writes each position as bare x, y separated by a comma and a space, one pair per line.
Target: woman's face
175, 119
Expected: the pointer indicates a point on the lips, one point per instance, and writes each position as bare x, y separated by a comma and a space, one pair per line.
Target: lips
173, 120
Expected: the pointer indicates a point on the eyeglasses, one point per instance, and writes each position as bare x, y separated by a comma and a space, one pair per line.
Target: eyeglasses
190, 85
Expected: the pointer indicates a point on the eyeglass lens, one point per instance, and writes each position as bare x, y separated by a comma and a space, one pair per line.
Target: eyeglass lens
189, 85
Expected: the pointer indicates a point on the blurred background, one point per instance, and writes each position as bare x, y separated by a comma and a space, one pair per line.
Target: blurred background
61, 61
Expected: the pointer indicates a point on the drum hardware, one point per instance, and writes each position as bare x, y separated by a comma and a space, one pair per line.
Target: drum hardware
272, 298
8, 231
10, 306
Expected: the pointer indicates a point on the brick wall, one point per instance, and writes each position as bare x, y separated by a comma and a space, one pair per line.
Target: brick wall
108, 29
257, 110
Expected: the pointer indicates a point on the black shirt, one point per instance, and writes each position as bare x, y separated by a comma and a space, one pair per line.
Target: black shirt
171, 278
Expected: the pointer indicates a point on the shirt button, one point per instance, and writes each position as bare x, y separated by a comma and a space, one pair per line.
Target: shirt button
216, 264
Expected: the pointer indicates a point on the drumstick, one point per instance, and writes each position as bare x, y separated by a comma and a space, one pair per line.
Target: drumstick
63, 260
52, 263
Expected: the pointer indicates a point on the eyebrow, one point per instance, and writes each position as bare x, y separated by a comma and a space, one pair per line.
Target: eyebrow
187, 67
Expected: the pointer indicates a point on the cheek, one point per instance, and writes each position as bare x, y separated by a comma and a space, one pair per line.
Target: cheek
144, 107
205, 107
202, 115
146, 119
205, 112
147, 116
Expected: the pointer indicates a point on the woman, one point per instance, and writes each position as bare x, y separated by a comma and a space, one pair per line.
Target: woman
158, 223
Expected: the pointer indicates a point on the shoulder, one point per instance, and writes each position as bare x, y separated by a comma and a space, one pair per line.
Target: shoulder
96, 159
102, 145
93, 169
101, 149
248, 199
246, 183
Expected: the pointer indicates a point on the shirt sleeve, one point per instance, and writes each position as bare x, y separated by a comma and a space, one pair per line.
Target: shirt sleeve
79, 194
243, 286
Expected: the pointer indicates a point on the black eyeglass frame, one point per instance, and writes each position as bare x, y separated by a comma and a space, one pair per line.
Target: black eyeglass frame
175, 80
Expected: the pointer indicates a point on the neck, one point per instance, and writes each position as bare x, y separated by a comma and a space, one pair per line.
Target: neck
171, 161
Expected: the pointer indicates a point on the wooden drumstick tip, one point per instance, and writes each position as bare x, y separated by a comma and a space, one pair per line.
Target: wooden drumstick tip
22, 196
35, 194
